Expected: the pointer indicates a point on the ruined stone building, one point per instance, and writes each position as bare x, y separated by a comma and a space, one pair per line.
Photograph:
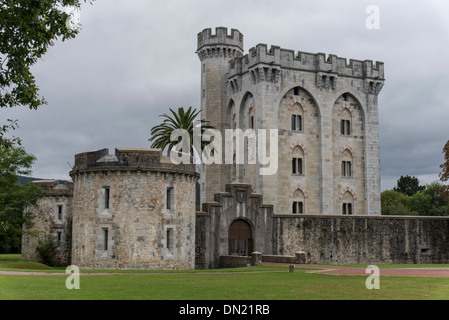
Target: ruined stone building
135, 209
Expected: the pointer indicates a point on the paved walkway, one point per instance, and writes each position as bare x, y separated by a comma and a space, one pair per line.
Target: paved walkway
405, 272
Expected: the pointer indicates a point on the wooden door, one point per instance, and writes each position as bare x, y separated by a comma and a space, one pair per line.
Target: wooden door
240, 238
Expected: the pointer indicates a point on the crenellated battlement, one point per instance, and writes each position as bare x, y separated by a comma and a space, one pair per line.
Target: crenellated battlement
221, 37
130, 159
220, 44
304, 61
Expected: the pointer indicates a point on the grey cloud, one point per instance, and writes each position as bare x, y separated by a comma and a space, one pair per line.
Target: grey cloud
134, 60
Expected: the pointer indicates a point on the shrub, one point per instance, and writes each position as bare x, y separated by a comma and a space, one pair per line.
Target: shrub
46, 249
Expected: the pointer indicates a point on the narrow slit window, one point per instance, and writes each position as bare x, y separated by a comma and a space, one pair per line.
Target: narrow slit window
105, 242
170, 240
59, 238
169, 196
106, 197
60, 212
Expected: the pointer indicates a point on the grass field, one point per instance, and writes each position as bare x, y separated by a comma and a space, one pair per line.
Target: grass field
252, 283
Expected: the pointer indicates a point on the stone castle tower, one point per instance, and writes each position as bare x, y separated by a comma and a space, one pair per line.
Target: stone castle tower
133, 209
325, 111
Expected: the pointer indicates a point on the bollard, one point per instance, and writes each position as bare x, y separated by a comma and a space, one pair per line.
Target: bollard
256, 258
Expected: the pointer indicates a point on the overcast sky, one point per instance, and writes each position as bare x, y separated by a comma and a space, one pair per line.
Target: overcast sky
135, 59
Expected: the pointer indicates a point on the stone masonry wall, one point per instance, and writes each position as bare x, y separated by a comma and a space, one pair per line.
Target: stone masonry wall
363, 240
53, 216
139, 228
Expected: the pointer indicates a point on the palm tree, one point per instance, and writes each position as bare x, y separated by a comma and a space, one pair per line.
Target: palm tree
160, 134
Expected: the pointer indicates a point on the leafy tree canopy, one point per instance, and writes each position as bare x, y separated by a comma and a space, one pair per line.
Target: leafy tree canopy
408, 185
433, 200
14, 197
444, 174
28, 28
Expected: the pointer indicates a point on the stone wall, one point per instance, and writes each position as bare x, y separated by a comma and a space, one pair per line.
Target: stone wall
363, 239
133, 210
52, 216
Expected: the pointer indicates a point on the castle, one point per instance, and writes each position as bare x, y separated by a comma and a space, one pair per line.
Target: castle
324, 109
135, 209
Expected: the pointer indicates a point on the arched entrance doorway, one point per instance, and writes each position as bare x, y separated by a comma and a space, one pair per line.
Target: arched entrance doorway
240, 238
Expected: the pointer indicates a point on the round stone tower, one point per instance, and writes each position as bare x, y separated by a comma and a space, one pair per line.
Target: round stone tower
215, 51
133, 210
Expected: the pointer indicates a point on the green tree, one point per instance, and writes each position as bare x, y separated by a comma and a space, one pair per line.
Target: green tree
421, 203
183, 119
408, 185
439, 198
28, 28
15, 198
444, 174
394, 203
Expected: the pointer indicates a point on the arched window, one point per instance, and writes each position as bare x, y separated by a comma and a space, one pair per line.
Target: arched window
298, 206
348, 204
345, 123
251, 118
297, 118
346, 164
298, 161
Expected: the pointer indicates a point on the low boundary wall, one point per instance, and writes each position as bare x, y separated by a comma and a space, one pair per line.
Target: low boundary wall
363, 239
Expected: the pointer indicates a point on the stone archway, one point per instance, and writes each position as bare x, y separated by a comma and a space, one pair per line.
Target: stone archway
240, 238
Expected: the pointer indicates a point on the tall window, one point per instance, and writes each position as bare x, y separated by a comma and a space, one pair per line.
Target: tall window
297, 166
296, 122
170, 240
298, 160
347, 207
105, 241
298, 202
169, 197
345, 123
298, 207
106, 197
297, 117
346, 169
59, 211
346, 164
59, 237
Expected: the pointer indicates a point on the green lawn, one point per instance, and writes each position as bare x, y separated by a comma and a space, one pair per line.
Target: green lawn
274, 284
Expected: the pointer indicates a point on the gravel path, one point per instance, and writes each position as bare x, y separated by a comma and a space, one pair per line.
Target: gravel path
405, 272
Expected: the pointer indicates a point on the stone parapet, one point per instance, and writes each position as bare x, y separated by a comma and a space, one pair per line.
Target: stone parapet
130, 159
